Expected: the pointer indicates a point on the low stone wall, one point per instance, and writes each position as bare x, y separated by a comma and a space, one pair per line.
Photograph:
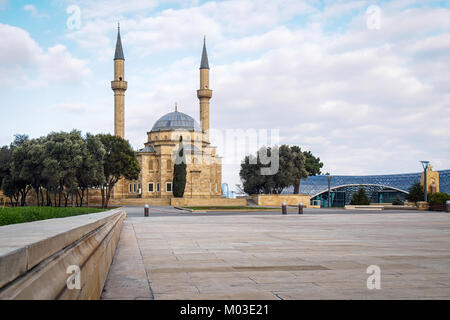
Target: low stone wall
35, 256
278, 199
203, 202
140, 202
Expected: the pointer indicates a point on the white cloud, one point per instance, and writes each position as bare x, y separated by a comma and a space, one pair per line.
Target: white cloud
365, 101
34, 12
27, 64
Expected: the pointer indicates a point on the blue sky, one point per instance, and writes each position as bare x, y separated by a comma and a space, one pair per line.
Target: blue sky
367, 91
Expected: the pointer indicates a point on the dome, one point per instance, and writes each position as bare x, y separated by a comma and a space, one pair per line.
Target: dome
176, 121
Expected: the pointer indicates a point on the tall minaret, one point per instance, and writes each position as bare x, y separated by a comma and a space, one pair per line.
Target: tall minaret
204, 93
119, 86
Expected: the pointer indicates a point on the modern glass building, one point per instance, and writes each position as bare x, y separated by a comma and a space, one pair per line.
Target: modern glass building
380, 188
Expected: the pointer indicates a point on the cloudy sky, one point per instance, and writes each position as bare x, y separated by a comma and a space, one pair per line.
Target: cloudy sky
364, 85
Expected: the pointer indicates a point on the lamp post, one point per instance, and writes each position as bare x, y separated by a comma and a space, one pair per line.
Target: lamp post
425, 167
329, 189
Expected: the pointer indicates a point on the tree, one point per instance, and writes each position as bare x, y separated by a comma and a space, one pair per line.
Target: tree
5, 162
415, 193
250, 175
27, 165
254, 182
360, 198
17, 186
179, 172
120, 162
91, 171
300, 170
312, 166
63, 159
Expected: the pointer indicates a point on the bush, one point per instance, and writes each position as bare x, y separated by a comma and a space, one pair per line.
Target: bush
416, 193
28, 214
360, 198
397, 201
438, 198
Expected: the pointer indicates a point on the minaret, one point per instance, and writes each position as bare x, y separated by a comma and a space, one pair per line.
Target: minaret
119, 86
204, 93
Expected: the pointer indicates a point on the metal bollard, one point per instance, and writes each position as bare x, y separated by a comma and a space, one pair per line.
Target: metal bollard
283, 208
447, 206
146, 210
300, 208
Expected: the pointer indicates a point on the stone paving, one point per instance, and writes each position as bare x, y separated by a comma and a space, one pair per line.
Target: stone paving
313, 256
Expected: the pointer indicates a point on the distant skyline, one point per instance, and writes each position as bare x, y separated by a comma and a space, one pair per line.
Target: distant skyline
364, 85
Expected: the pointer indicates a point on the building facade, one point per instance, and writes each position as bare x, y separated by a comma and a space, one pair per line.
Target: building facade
379, 188
156, 159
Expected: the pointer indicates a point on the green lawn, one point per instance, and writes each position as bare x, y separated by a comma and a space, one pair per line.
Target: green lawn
229, 208
28, 214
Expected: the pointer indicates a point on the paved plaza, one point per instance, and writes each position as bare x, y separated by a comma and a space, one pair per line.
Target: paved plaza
319, 255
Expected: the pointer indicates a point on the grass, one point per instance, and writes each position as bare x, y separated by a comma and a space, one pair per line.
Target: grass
27, 214
229, 208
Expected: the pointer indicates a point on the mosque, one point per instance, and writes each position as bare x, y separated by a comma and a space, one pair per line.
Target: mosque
156, 159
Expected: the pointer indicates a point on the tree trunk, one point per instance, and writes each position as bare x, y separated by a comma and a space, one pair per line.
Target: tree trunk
103, 196
37, 195
297, 187
108, 194
87, 197
80, 195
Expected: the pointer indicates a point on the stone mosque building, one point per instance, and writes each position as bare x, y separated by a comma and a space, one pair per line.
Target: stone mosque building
156, 159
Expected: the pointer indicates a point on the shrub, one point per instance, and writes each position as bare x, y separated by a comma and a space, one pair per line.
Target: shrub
360, 198
397, 201
416, 193
438, 198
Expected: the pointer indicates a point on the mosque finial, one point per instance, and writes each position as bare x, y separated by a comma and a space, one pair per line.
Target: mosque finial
176, 107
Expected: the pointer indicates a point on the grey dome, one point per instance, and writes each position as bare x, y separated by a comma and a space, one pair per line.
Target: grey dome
176, 121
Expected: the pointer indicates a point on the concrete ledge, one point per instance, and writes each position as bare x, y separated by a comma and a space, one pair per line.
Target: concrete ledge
34, 256
364, 207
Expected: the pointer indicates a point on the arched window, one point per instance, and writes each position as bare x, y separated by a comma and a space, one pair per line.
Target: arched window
150, 164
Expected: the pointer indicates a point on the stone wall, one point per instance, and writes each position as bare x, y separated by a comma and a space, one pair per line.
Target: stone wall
278, 199
181, 202
35, 256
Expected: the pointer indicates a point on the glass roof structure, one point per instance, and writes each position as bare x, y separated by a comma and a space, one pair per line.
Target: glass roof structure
316, 185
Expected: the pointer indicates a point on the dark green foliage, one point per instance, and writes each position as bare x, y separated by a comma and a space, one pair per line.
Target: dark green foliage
360, 198
62, 165
120, 162
292, 168
28, 214
397, 201
416, 193
439, 198
179, 172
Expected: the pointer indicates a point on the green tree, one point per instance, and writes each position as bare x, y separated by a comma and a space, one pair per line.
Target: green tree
17, 186
250, 174
120, 162
91, 172
27, 165
360, 198
415, 193
312, 166
5, 162
300, 170
254, 182
63, 159
179, 172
